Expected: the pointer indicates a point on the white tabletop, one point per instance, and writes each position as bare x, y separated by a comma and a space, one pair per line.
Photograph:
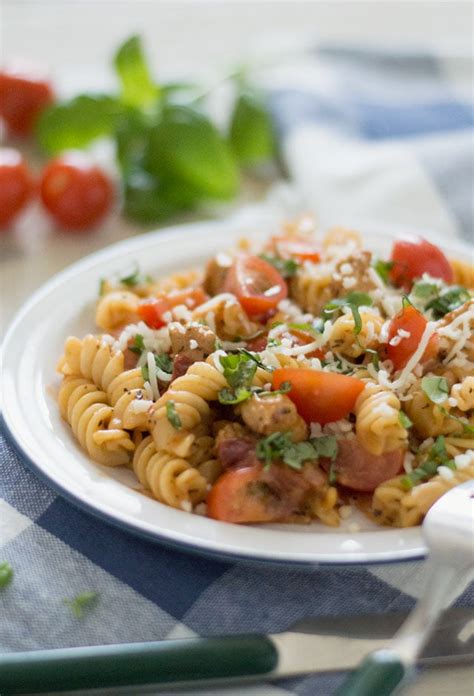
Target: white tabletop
75, 40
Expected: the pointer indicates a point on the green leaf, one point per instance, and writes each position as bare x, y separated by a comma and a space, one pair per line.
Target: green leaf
173, 416
239, 369
6, 574
424, 290
285, 387
82, 603
187, 150
137, 86
403, 419
332, 474
286, 267
279, 446
76, 123
251, 132
467, 428
325, 446
354, 300
138, 346
383, 268
148, 201
272, 447
435, 388
231, 397
437, 456
252, 356
164, 363
132, 278
448, 300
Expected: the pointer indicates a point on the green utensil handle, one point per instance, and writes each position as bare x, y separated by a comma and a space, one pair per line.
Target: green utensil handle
378, 675
136, 663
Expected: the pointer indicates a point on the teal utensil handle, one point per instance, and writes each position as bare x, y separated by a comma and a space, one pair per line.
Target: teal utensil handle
378, 675
136, 663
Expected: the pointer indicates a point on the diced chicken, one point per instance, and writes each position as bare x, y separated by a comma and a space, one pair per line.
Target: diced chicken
214, 277
356, 268
271, 414
195, 337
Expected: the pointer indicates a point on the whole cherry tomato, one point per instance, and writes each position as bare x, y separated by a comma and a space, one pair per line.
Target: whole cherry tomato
412, 256
22, 99
16, 185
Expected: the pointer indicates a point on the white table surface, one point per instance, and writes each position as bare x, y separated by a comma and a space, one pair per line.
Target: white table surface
75, 39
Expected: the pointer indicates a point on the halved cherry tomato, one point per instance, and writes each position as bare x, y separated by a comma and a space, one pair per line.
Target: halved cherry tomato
303, 339
294, 248
16, 185
358, 469
22, 99
76, 192
412, 256
153, 310
235, 497
258, 343
257, 284
414, 323
320, 397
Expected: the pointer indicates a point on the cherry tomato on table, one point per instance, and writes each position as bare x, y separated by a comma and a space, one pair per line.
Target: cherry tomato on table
360, 470
257, 284
413, 323
77, 193
412, 256
16, 185
152, 311
22, 99
320, 397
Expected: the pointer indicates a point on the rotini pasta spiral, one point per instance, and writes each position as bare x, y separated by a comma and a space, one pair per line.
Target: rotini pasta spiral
464, 393
189, 394
463, 273
324, 506
85, 408
396, 507
116, 309
378, 426
428, 419
311, 290
344, 340
171, 479
226, 317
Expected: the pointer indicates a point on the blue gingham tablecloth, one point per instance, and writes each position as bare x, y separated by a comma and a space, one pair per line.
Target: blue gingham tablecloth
366, 135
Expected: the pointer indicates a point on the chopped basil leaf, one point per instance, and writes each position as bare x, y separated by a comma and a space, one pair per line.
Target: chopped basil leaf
231, 397
437, 457
253, 357
325, 446
375, 358
285, 387
332, 474
164, 363
272, 447
383, 268
82, 603
354, 300
6, 574
172, 415
286, 267
145, 373
424, 290
435, 388
131, 279
138, 346
309, 328
273, 343
280, 446
404, 421
296, 454
468, 429
448, 300
239, 371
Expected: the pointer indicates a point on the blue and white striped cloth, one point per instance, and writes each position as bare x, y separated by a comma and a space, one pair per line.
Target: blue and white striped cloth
366, 135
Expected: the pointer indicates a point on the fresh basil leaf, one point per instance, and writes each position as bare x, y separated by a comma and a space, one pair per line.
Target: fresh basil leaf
149, 201
173, 416
272, 447
138, 346
231, 397
239, 369
437, 456
164, 362
251, 131
285, 387
403, 419
297, 453
448, 301
424, 290
435, 388
375, 357
325, 446
383, 268
186, 149
82, 603
137, 86
308, 328
6, 574
74, 124
354, 300
286, 267
358, 299
258, 362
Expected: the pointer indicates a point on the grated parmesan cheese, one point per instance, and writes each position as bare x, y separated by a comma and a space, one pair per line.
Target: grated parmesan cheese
446, 473
463, 460
140, 405
150, 358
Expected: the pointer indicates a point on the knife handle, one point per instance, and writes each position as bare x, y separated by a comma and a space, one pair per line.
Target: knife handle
378, 675
136, 664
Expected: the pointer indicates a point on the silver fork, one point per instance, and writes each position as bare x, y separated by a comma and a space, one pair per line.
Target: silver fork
448, 529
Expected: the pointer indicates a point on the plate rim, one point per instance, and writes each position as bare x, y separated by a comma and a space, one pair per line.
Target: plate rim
418, 550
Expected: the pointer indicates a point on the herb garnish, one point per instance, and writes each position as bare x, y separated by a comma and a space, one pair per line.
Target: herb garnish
403, 419
162, 362
437, 457
424, 290
468, 429
448, 300
239, 371
134, 278
82, 602
138, 345
435, 388
280, 446
285, 387
286, 267
383, 268
172, 415
6, 574
354, 300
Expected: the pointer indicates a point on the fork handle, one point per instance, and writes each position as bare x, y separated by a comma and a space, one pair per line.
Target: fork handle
380, 673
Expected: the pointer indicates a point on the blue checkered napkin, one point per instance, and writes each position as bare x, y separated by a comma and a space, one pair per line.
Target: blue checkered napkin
366, 135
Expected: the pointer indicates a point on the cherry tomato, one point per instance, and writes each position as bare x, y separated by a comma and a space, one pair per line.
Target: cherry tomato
320, 397
16, 185
302, 338
294, 248
77, 193
414, 323
412, 256
358, 469
152, 310
22, 99
258, 343
257, 284
235, 497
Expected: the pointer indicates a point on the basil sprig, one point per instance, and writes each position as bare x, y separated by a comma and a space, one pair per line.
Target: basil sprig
437, 456
354, 300
162, 362
279, 446
239, 371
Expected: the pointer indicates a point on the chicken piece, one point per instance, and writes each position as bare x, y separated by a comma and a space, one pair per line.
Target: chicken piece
194, 337
271, 414
215, 277
352, 273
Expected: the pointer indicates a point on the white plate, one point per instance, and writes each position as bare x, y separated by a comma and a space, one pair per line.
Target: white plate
65, 306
